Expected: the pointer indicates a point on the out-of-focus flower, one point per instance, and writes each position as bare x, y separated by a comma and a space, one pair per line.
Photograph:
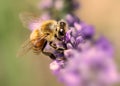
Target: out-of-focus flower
58, 8
59, 4
71, 19
86, 61
45, 4
89, 61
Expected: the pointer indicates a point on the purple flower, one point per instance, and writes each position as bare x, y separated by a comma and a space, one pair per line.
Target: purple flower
45, 4
58, 8
89, 61
71, 19
59, 4
86, 61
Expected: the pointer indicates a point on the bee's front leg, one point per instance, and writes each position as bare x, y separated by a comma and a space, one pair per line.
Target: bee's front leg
52, 56
55, 47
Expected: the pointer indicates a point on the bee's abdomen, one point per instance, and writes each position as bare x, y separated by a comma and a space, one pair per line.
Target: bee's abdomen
38, 45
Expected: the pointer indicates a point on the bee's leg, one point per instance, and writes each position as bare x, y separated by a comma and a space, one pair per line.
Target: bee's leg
59, 49
55, 47
52, 56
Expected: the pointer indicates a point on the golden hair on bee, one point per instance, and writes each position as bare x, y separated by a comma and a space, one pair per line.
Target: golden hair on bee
47, 28
47, 32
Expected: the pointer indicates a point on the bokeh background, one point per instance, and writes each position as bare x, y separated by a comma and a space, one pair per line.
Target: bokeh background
33, 70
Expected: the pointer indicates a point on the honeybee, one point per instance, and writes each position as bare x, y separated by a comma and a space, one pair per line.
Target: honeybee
46, 33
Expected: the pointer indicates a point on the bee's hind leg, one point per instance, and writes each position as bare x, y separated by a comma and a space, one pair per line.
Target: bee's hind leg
52, 56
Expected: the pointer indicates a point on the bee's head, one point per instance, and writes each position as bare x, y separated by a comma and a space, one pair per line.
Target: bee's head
61, 29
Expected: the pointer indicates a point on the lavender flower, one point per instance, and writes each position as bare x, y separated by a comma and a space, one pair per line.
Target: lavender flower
89, 61
45, 4
59, 4
71, 19
58, 8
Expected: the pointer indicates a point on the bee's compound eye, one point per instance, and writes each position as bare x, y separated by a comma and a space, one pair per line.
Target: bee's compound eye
61, 32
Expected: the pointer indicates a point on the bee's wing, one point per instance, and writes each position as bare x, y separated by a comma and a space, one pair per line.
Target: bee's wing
27, 45
25, 48
30, 20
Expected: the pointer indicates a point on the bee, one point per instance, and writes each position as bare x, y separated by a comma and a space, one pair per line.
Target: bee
46, 33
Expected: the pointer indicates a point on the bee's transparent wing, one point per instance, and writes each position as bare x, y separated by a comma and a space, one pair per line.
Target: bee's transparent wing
25, 48
27, 45
30, 20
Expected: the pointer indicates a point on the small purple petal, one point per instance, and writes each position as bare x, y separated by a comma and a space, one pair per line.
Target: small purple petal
79, 39
69, 46
70, 79
68, 35
73, 40
59, 4
88, 31
105, 45
54, 66
45, 4
77, 26
73, 32
70, 18
68, 53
